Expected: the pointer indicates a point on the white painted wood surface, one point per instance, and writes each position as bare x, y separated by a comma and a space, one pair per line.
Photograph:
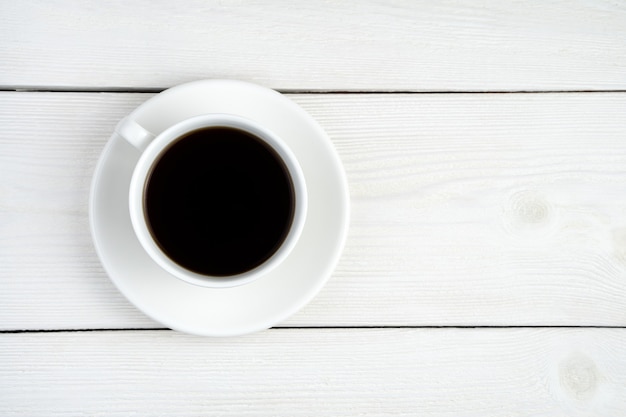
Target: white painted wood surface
348, 372
316, 45
466, 210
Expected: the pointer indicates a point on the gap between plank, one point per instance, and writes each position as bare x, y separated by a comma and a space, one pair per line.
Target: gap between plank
153, 90
144, 329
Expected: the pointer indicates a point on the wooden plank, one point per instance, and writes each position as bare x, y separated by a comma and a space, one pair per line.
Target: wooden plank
478, 209
422, 45
349, 372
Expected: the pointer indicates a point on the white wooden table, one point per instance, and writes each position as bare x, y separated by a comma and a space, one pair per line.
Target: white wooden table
485, 268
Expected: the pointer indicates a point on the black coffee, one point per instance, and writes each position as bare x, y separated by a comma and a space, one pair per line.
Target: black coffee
219, 201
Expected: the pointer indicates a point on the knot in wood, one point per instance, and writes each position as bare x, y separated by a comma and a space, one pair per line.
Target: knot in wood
530, 208
579, 377
528, 214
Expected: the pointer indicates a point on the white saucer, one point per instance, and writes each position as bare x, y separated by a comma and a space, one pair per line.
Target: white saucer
223, 311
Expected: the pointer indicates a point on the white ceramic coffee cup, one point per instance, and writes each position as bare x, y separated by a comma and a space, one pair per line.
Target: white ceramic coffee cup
152, 147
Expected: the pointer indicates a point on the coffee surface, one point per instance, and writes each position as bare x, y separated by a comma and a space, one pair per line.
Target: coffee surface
219, 201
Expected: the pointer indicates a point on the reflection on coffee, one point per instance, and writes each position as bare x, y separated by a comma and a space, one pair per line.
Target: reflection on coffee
219, 201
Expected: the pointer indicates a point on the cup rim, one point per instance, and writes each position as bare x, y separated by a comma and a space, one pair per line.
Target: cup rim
151, 154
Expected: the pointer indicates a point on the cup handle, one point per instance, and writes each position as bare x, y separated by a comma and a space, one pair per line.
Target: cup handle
134, 133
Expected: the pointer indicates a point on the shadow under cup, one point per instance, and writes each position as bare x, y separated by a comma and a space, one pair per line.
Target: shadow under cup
219, 202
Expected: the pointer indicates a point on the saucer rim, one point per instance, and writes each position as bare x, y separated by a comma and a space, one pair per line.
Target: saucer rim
304, 297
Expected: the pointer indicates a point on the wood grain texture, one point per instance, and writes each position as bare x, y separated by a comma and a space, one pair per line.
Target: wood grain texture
484, 209
452, 45
437, 372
